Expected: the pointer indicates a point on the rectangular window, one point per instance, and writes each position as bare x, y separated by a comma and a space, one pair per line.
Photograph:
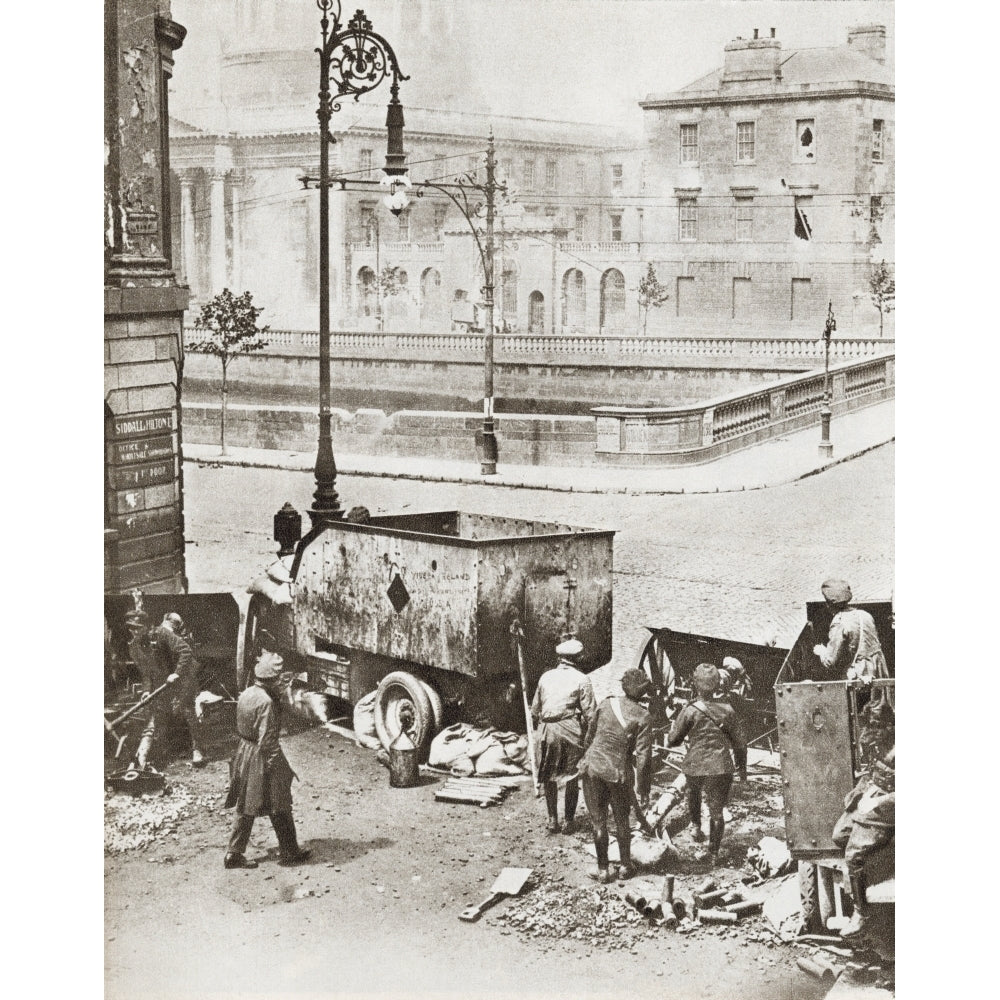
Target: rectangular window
365, 161
506, 170
744, 219
550, 174
687, 219
875, 208
368, 224
745, 142
529, 174
805, 140
440, 211
803, 208
741, 298
616, 227
689, 144
616, 177
440, 166
878, 139
550, 211
404, 227
581, 177
685, 296
639, 220
802, 299
580, 226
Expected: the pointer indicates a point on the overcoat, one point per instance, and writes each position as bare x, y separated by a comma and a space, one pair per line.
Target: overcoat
260, 777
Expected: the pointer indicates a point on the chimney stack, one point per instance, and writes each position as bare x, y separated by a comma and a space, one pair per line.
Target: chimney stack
773, 30
869, 40
752, 59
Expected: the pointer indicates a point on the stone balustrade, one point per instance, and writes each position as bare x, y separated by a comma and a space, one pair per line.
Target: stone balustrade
571, 349
679, 435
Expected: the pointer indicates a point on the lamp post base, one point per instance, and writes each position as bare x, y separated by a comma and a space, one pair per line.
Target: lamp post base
825, 444
488, 450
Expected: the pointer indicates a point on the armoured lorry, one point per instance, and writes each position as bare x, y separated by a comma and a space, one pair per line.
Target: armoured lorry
436, 612
821, 731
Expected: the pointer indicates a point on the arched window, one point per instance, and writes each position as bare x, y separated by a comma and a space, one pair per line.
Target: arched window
508, 289
612, 300
536, 312
431, 300
366, 292
574, 293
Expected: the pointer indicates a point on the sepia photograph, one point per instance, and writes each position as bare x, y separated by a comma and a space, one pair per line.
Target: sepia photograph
499, 499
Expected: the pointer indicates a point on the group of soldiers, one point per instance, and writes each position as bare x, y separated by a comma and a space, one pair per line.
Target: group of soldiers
606, 747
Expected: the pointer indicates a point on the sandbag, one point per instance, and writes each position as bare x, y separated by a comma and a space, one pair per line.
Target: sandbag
449, 744
364, 723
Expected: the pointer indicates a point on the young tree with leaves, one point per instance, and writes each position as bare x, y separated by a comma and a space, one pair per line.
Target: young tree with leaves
651, 293
230, 324
882, 287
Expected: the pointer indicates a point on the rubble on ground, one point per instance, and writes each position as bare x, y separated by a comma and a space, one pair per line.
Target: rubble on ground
133, 822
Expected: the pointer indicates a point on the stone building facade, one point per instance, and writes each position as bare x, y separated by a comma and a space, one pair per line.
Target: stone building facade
568, 255
769, 185
143, 307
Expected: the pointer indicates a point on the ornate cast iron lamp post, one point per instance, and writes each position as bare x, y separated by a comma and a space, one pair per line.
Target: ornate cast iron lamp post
353, 60
825, 444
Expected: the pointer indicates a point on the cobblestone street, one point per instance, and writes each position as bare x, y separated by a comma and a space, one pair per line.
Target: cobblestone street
736, 565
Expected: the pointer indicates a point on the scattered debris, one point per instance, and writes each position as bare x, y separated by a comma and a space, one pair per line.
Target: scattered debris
133, 823
770, 857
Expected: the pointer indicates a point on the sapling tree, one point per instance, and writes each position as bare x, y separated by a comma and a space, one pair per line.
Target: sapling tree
652, 293
229, 323
882, 287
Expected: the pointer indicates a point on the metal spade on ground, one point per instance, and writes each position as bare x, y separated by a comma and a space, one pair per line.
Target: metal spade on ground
509, 883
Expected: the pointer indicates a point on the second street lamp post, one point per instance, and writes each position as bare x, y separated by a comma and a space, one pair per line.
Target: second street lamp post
354, 60
458, 193
825, 444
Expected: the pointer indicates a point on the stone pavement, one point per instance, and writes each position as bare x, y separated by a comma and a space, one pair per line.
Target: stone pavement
773, 463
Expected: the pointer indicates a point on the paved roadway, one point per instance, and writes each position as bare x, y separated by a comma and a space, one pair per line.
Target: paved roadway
739, 565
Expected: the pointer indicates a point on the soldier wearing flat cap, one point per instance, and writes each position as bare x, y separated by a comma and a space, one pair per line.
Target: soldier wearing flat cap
616, 763
853, 650
561, 710
260, 775
716, 740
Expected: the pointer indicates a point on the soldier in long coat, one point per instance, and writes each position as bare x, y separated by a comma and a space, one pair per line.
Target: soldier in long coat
260, 775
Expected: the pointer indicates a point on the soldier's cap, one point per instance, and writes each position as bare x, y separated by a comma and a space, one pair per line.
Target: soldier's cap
733, 666
174, 620
836, 591
268, 666
635, 683
705, 678
569, 648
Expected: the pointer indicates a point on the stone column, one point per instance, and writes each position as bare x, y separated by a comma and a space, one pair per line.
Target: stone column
237, 180
189, 262
217, 242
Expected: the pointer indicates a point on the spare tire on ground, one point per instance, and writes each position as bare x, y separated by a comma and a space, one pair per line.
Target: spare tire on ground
402, 705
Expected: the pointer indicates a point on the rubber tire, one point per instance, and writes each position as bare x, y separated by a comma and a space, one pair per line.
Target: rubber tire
437, 708
251, 641
423, 713
811, 919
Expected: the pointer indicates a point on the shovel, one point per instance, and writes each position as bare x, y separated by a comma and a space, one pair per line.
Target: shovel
509, 883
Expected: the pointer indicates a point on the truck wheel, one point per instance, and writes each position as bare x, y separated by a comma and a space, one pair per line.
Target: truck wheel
251, 642
402, 705
812, 920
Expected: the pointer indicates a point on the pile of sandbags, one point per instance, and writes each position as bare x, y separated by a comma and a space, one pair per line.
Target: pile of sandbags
464, 750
